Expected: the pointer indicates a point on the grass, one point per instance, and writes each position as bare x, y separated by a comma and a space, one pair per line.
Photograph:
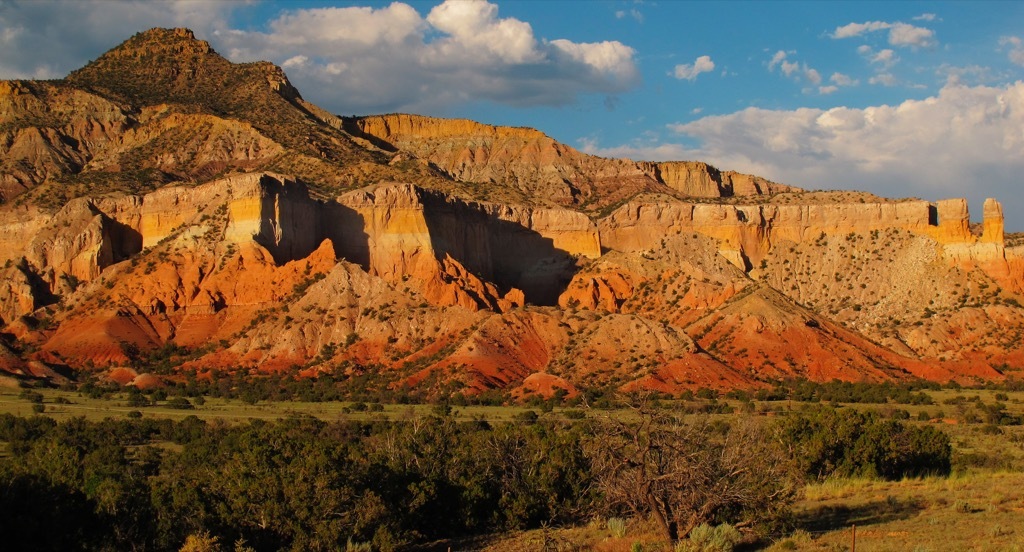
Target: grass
79, 405
974, 511
980, 511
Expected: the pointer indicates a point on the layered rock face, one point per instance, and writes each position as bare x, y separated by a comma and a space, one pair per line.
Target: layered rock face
746, 233
390, 229
697, 179
543, 168
993, 222
87, 236
394, 232
47, 130
146, 202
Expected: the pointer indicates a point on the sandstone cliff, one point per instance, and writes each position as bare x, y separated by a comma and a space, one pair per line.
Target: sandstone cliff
542, 169
163, 195
746, 233
392, 229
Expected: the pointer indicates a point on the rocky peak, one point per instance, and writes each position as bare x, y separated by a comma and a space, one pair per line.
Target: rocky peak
173, 66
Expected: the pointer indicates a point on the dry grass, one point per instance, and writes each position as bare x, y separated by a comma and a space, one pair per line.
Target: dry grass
974, 512
593, 537
79, 405
977, 511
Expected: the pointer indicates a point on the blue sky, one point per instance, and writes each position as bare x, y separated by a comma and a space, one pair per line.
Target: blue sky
921, 99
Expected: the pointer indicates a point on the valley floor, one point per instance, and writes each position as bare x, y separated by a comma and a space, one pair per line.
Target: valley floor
978, 508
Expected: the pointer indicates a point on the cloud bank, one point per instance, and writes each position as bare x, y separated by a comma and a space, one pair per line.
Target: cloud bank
965, 141
360, 59
348, 60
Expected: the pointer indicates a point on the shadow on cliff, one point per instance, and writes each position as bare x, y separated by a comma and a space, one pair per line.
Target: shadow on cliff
351, 126
347, 231
297, 228
125, 240
504, 253
499, 251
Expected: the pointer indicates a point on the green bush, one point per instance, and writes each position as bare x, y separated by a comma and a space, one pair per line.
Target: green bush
844, 442
527, 417
721, 538
31, 396
180, 403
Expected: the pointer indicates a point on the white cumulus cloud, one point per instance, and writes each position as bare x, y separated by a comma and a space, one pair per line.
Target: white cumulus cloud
634, 13
702, 64
903, 34
856, 29
886, 58
1015, 49
883, 79
839, 79
900, 34
796, 70
812, 75
391, 58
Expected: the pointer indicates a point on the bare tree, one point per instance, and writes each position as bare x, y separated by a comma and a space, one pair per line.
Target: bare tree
687, 472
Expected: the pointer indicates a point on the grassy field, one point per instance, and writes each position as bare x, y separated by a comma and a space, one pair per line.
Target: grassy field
62, 405
980, 507
973, 512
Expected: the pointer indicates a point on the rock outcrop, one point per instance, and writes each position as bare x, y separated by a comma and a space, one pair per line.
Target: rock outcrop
746, 233
543, 169
992, 222
697, 179
393, 229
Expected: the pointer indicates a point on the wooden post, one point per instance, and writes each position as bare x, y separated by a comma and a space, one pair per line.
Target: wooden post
854, 548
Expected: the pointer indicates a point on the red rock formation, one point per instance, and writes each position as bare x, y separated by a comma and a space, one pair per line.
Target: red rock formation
432, 253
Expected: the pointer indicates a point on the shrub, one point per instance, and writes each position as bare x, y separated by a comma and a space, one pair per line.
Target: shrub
201, 542
136, 400
357, 546
844, 442
180, 403
527, 417
31, 396
705, 538
683, 473
617, 526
